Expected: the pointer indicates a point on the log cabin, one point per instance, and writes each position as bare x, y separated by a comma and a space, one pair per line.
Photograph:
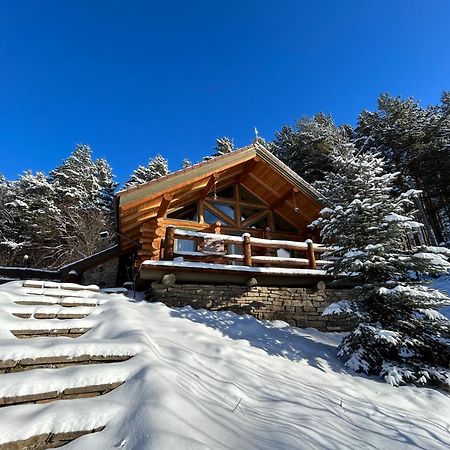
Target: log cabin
231, 218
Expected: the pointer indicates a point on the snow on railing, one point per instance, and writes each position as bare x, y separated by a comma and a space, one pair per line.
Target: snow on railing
248, 243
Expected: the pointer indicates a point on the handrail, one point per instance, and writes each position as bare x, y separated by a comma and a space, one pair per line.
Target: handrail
248, 243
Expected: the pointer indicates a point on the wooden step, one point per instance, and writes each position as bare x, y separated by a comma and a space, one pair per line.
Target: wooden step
64, 304
56, 332
52, 362
66, 394
61, 315
47, 440
55, 285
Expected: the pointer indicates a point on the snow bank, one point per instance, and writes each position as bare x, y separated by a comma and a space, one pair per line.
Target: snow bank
206, 380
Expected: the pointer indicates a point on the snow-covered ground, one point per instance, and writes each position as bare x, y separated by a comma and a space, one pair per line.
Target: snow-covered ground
205, 380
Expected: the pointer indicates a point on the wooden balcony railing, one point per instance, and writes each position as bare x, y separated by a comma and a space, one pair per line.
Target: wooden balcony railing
251, 250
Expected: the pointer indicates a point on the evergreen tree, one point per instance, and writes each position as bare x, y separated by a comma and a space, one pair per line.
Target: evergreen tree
399, 334
224, 145
306, 147
156, 168
10, 240
84, 194
34, 217
76, 180
414, 141
186, 163
107, 186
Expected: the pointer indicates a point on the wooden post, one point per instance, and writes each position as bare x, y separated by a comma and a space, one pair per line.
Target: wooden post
311, 256
169, 243
247, 249
217, 227
201, 211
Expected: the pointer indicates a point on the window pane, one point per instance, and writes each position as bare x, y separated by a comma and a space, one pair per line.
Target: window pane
247, 212
228, 210
246, 196
227, 192
188, 212
210, 217
261, 224
184, 245
283, 225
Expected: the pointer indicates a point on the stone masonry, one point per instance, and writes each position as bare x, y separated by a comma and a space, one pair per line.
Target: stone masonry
299, 306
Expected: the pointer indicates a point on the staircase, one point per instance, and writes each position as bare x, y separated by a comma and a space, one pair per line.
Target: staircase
47, 360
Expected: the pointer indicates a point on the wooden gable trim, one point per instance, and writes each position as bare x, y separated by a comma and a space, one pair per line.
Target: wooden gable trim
180, 179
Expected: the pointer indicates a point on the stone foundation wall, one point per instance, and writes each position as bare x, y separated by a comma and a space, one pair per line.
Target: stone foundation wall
104, 275
299, 306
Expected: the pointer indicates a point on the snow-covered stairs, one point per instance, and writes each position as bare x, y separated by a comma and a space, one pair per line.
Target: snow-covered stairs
48, 368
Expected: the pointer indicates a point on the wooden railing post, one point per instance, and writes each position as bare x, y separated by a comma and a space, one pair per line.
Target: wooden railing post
311, 255
169, 243
217, 227
247, 249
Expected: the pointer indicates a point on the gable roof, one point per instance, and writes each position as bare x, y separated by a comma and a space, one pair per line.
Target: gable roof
253, 166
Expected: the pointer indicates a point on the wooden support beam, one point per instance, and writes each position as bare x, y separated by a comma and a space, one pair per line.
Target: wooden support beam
247, 246
164, 205
311, 255
209, 185
288, 194
169, 243
269, 188
248, 167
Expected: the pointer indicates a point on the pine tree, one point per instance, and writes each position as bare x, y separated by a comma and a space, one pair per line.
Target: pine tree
84, 194
186, 163
399, 334
414, 141
224, 145
156, 168
107, 186
34, 216
76, 180
10, 240
305, 148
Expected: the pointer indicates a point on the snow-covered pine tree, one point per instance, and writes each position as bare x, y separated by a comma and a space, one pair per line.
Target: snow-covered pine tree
84, 193
399, 334
306, 146
156, 168
414, 141
10, 241
186, 163
76, 180
34, 215
224, 145
106, 184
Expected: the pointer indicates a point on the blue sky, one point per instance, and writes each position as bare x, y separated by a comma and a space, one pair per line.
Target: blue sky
137, 78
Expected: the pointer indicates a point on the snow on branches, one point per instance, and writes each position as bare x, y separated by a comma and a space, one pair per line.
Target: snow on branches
399, 334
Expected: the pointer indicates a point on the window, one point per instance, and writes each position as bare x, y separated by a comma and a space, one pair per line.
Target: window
188, 212
210, 217
228, 210
185, 245
246, 196
227, 192
247, 212
282, 224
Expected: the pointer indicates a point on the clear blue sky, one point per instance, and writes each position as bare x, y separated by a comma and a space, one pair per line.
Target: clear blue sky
136, 78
